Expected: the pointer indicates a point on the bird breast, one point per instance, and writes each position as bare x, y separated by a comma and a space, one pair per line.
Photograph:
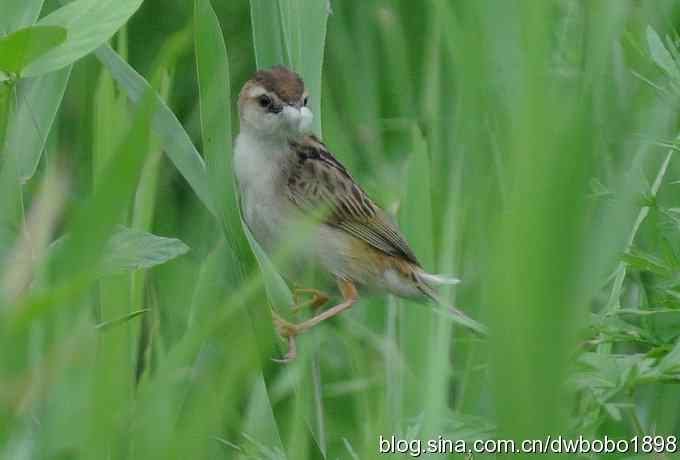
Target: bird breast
260, 172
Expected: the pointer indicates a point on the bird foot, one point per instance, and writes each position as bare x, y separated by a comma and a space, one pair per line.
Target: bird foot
318, 299
284, 328
288, 331
290, 355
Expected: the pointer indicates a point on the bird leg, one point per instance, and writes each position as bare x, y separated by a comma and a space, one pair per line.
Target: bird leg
290, 331
318, 299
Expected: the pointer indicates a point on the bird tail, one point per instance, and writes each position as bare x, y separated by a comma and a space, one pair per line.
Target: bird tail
458, 316
428, 284
438, 280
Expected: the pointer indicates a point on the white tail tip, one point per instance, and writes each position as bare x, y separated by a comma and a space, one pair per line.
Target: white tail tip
438, 280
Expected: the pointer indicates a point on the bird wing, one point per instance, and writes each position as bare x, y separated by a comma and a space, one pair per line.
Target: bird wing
320, 186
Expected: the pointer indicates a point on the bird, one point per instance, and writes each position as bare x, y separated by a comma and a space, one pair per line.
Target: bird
290, 184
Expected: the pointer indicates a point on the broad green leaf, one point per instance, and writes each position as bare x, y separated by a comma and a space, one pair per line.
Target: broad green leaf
38, 100
18, 13
174, 138
24, 46
130, 249
90, 23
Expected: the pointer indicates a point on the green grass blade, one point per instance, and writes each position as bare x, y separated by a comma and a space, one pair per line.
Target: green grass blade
213, 79
174, 138
119, 179
415, 220
292, 33
267, 34
541, 282
5, 98
109, 110
39, 100
112, 379
212, 66
303, 23
259, 422
216, 277
10, 185
123, 319
90, 23
277, 289
143, 216
296, 39
18, 13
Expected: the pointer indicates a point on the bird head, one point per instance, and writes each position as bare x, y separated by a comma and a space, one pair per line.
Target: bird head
274, 103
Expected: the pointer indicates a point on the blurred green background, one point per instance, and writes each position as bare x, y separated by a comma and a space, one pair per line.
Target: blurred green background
525, 146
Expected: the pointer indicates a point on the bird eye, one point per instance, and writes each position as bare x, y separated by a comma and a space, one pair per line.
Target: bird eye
304, 101
264, 100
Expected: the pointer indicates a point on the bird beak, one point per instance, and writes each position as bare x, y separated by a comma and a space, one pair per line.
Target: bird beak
299, 120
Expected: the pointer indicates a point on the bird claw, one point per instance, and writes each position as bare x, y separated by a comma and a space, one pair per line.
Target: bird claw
288, 331
290, 355
318, 299
285, 328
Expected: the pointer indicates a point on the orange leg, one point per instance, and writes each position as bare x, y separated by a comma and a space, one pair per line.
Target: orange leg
319, 299
290, 330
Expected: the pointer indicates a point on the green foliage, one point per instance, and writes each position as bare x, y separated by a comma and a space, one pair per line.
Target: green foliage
527, 148
212, 68
173, 138
20, 48
89, 24
130, 249
295, 36
19, 13
38, 99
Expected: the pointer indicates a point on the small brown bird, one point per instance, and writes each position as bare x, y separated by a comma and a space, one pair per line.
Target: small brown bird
287, 177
